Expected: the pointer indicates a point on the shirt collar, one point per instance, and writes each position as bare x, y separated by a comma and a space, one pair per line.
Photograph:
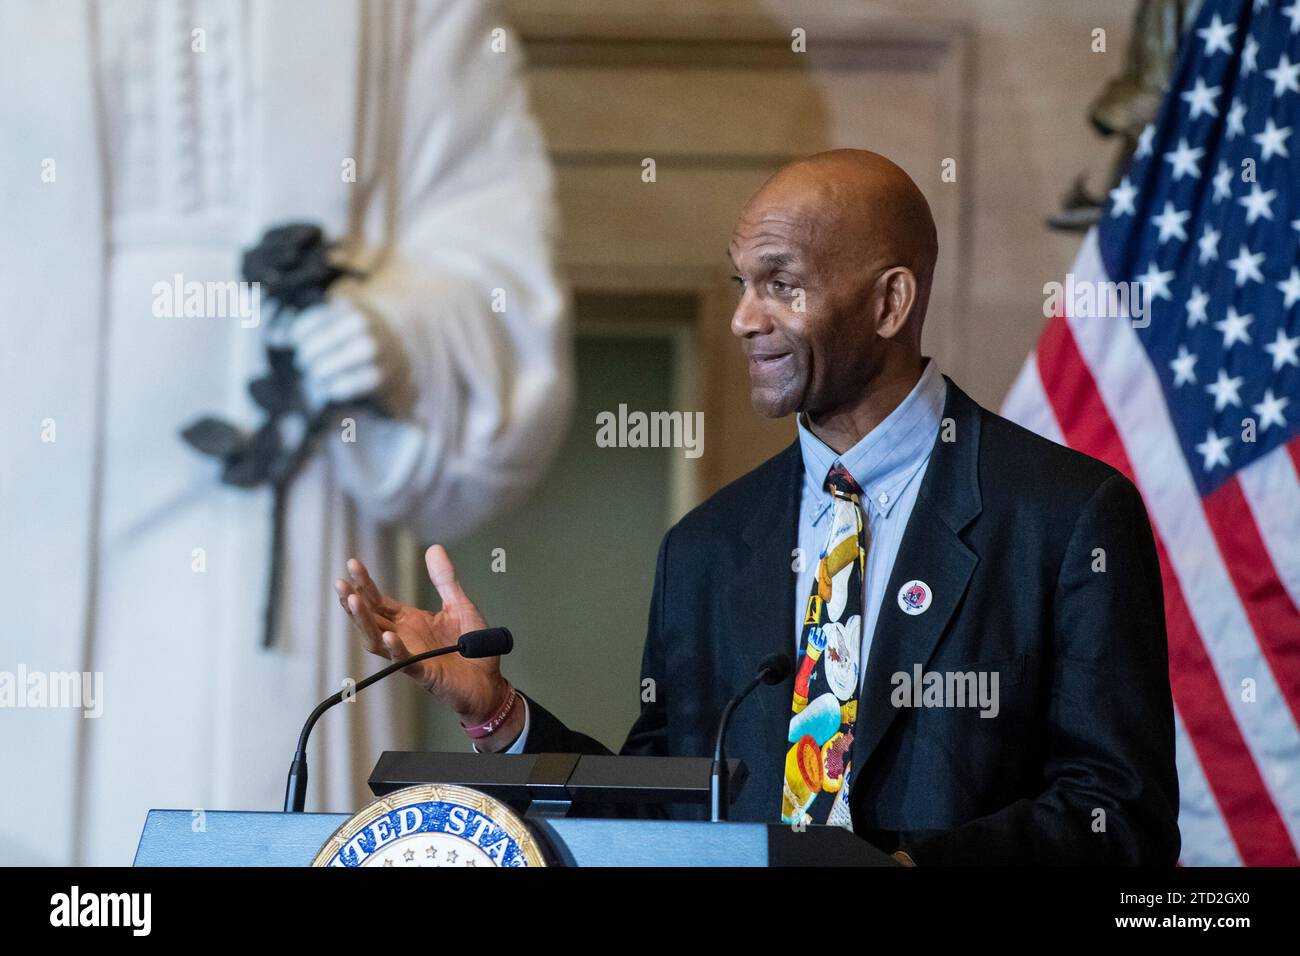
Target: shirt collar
886, 459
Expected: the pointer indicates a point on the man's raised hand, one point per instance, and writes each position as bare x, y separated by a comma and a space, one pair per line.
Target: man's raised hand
474, 689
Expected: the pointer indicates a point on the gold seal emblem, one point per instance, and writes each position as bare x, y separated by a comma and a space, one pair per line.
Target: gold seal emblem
433, 825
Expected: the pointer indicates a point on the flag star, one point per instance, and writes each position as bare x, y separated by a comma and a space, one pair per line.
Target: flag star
1156, 282
1225, 390
1216, 36
1145, 140
1184, 158
1196, 304
1184, 367
1202, 99
1246, 266
1259, 5
1214, 449
1270, 410
1236, 116
1209, 244
1234, 327
1222, 182
1170, 223
1273, 140
1258, 203
1284, 350
1293, 12
1249, 57
1291, 288
1121, 198
1285, 76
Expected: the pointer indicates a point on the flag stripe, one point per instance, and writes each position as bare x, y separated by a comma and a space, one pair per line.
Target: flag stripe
1272, 489
1206, 838
1248, 810
1268, 606
1027, 403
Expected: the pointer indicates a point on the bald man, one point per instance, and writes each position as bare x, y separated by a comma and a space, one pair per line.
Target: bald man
974, 613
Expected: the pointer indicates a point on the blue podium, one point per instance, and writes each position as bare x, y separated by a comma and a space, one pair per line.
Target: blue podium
543, 789
240, 838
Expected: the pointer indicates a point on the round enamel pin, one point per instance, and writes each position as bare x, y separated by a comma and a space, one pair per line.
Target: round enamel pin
914, 597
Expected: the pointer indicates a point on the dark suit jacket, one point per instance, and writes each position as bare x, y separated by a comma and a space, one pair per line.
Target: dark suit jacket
1012, 533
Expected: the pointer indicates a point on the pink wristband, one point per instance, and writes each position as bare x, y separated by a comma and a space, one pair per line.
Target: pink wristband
493, 723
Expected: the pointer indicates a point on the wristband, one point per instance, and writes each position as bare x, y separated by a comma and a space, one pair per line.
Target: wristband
493, 723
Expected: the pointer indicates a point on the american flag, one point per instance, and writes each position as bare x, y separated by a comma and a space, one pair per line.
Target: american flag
1201, 409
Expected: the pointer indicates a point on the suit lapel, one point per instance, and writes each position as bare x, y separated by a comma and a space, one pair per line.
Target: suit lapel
761, 601
932, 552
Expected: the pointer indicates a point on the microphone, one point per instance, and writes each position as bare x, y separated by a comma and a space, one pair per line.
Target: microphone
774, 669
488, 642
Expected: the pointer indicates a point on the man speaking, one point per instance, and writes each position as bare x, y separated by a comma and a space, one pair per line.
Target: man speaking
975, 613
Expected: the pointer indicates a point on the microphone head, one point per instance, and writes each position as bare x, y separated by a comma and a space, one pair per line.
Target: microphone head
489, 642
776, 668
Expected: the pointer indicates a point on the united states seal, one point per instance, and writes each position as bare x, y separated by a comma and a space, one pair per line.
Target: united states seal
432, 825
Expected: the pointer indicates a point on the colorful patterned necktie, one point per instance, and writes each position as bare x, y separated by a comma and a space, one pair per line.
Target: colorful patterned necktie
825, 707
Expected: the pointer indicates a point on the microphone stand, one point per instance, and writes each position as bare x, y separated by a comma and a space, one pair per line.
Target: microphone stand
772, 671
485, 643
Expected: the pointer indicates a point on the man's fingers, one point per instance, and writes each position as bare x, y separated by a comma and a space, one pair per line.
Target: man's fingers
394, 647
443, 576
364, 584
364, 619
377, 619
347, 596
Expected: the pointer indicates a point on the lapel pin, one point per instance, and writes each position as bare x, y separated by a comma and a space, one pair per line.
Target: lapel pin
914, 597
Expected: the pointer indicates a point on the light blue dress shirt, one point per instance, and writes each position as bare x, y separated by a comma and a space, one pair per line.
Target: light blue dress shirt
888, 465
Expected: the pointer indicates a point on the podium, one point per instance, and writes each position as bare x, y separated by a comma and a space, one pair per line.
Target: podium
238, 838
544, 787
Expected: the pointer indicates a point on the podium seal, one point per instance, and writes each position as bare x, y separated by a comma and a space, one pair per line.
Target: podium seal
432, 825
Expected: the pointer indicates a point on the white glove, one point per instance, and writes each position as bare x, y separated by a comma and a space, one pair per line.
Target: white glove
345, 352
